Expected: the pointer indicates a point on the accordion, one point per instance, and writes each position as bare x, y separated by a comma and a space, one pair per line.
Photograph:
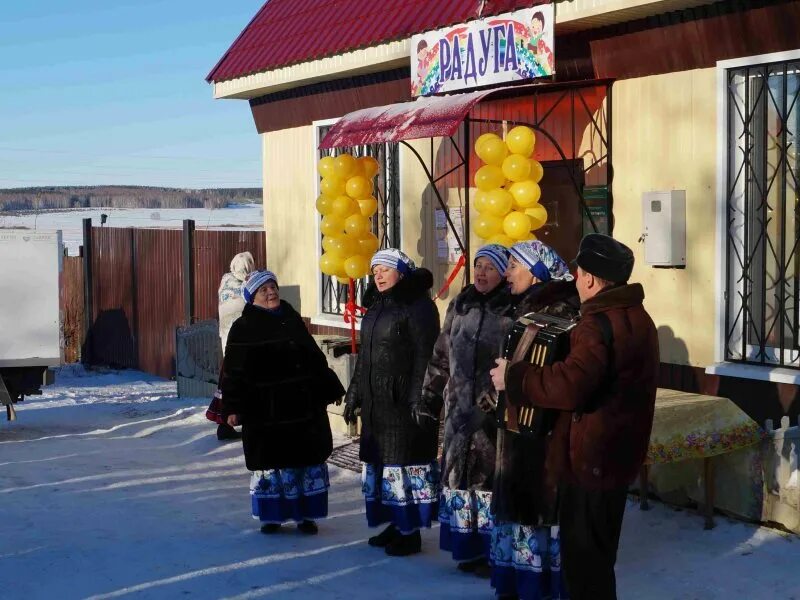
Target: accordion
541, 340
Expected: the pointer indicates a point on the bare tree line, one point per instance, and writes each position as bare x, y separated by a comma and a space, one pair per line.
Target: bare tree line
122, 196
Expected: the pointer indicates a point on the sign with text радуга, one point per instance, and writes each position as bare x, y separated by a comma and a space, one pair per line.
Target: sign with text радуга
510, 47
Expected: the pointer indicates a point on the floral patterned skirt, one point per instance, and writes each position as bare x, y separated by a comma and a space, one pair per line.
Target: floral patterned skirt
465, 523
406, 496
526, 561
280, 495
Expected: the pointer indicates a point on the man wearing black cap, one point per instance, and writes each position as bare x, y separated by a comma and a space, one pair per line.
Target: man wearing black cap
605, 393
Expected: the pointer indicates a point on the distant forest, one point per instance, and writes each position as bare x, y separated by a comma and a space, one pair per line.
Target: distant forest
123, 196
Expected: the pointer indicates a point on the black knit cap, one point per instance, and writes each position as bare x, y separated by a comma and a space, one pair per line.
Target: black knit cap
605, 257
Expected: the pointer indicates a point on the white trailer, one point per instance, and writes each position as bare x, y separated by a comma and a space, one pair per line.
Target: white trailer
31, 264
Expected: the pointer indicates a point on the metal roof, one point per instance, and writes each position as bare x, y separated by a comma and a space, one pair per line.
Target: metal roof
286, 32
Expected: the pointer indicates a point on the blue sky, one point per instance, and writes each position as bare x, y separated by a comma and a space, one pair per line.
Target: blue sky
114, 92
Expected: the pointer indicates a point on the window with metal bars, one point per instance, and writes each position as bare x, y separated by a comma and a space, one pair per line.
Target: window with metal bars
385, 223
763, 222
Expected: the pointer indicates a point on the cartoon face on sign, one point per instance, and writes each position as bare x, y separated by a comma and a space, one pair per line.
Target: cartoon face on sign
537, 24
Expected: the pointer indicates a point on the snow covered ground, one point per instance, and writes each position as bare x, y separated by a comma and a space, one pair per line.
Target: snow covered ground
112, 487
248, 216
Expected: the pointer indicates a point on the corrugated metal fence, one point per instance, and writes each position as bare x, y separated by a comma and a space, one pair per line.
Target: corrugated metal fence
137, 300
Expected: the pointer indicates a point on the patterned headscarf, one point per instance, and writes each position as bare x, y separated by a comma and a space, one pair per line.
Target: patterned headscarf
255, 281
541, 260
497, 254
392, 257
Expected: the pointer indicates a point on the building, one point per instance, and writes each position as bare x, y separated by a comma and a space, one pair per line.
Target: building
648, 95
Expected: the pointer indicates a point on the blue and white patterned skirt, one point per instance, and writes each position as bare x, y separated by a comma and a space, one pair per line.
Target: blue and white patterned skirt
280, 495
526, 561
406, 496
465, 523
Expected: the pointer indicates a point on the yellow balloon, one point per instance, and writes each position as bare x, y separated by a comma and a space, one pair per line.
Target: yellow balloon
344, 165
344, 206
482, 139
516, 167
343, 246
502, 239
517, 225
498, 202
331, 225
342, 278
368, 244
521, 140
537, 170
486, 226
526, 193
357, 266
492, 151
480, 201
331, 186
368, 206
324, 205
356, 225
359, 187
370, 166
330, 264
489, 177
325, 167
537, 215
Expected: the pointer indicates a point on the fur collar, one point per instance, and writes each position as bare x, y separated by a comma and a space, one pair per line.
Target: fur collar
406, 291
470, 298
541, 295
618, 296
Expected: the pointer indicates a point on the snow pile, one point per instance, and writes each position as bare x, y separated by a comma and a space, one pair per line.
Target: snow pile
113, 487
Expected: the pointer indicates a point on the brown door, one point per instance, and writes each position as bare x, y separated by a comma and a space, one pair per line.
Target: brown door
564, 227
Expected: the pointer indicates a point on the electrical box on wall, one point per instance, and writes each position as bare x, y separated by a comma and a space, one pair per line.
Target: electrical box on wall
664, 223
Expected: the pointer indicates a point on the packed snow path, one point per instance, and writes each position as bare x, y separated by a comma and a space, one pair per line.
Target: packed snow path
112, 487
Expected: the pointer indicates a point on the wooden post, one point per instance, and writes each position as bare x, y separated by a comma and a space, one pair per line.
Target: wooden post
188, 271
708, 481
644, 485
88, 289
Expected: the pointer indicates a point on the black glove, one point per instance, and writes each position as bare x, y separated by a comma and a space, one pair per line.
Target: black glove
487, 401
423, 416
350, 413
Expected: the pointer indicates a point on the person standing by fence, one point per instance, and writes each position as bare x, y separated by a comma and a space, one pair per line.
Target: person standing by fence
230, 307
276, 383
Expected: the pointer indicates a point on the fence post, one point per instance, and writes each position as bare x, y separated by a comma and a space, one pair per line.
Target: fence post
188, 271
88, 289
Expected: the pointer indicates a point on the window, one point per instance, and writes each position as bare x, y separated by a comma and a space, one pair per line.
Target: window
385, 224
762, 225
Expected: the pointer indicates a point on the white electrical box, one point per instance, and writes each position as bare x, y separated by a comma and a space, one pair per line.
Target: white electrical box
664, 222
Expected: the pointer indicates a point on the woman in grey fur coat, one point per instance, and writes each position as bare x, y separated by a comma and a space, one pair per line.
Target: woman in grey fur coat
476, 323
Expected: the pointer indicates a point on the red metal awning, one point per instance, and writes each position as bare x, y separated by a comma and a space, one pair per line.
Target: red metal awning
436, 116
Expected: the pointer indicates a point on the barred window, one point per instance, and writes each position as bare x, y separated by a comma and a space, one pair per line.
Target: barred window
762, 266
385, 224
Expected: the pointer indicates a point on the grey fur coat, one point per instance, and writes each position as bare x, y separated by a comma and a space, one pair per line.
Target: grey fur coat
458, 374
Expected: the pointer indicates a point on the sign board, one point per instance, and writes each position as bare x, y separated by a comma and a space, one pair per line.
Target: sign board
515, 46
447, 248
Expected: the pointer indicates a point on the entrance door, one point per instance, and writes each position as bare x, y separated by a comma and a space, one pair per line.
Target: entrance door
564, 227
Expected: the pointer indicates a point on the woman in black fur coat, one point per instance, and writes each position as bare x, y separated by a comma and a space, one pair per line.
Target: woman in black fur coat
398, 436
277, 384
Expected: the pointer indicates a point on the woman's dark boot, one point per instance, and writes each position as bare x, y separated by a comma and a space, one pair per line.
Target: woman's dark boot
384, 538
405, 545
270, 528
307, 527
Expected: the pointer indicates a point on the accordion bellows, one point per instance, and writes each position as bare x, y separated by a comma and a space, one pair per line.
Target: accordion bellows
541, 340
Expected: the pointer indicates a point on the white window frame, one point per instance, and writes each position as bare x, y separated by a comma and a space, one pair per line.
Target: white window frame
721, 366
323, 319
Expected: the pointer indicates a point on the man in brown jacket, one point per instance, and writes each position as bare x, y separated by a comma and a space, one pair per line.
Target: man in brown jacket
605, 393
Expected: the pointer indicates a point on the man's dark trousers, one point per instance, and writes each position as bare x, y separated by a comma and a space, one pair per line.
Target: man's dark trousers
591, 522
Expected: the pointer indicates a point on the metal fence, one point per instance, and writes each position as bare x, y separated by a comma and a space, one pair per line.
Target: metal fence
141, 284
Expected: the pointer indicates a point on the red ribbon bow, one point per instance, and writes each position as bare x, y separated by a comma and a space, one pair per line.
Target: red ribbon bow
352, 311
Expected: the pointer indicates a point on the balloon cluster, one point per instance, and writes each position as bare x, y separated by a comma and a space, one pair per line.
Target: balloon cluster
346, 204
508, 188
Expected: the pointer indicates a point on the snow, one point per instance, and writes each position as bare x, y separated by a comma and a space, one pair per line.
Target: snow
70, 221
113, 487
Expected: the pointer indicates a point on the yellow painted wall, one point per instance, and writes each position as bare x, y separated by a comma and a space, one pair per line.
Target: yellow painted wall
290, 217
664, 137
